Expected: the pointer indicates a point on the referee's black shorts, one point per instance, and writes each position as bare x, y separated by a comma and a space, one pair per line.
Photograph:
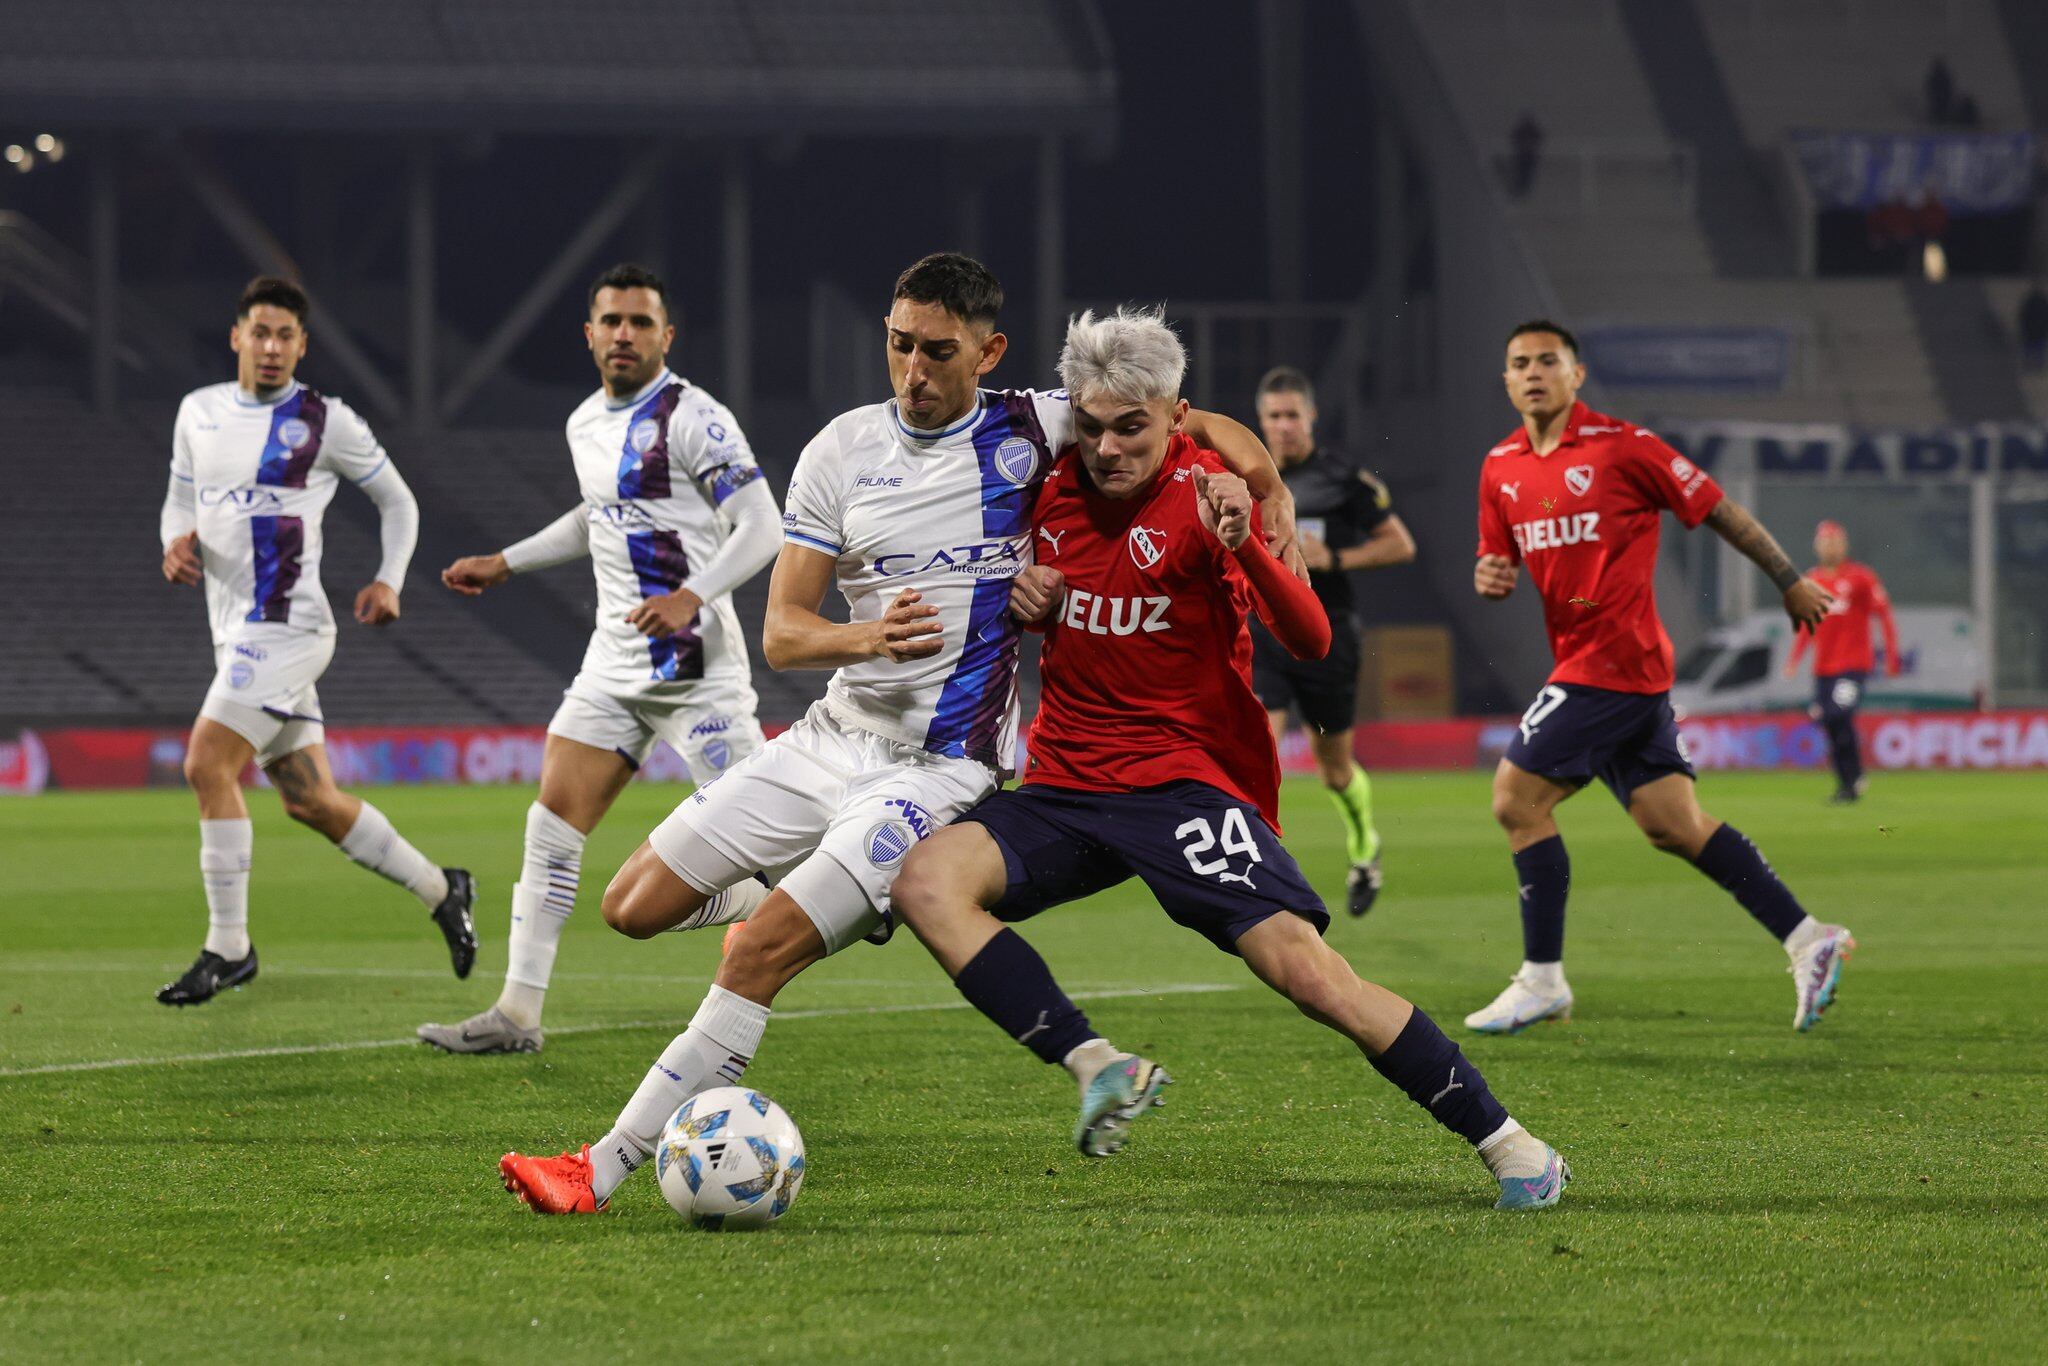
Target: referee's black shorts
1324, 691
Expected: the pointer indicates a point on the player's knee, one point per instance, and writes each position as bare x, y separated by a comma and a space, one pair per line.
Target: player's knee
629, 908
1511, 811
919, 890
1319, 990
1668, 836
317, 807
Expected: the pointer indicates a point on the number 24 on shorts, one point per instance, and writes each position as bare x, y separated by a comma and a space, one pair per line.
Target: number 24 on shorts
1237, 839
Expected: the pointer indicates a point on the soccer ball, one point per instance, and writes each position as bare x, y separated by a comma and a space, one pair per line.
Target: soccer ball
730, 1158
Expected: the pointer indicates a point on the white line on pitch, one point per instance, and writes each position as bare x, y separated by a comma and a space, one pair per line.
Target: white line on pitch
818, 1013
441, 975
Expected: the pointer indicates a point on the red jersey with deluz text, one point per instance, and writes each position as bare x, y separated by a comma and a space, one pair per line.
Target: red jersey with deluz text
1583, 522
1146, 671
1844, 634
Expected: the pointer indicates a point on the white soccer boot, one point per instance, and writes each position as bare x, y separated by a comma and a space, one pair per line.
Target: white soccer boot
1816, 969
1523, 1004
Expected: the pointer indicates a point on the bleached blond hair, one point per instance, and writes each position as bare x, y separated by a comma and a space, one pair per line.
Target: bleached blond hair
1130, 354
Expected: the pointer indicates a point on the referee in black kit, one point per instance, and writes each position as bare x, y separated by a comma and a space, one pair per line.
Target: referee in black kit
1347, 522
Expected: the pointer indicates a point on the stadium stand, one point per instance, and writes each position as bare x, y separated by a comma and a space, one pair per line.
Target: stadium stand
1639, 232
730, 65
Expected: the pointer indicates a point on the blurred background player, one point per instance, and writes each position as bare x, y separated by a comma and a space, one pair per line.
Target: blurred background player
1147, 760
254, 464
1578, 497
674, 517
1842, 656
1347, 522
918, 511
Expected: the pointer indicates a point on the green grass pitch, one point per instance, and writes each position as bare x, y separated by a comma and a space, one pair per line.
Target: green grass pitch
1872, 1190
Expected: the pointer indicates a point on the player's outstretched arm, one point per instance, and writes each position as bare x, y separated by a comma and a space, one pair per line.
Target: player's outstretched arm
1250, 461
794, 636
1806, 602
564, 539
1288, 606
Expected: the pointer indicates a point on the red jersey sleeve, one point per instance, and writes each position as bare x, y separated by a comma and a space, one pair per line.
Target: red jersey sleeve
1669, 480
1494, 537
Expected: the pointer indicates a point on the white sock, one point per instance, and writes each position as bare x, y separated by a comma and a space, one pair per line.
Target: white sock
1803, 936
541, 904
1512, 1151
713, 1051
1084, 1060
224, 853
529, 957
1547, 977
736, 902
376, 845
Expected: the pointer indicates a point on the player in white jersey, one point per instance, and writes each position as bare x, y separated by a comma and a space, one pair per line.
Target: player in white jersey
674, 516
253, 466
919, 510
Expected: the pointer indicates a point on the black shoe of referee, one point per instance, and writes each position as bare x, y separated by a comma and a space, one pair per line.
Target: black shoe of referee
452, 915
1364, 884
209, 975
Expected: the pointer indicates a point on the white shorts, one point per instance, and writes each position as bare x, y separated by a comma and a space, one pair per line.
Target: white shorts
709, 723
263, 690
827, 797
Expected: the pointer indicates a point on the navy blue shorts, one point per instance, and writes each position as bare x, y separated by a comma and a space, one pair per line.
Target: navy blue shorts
1836, 696
1572, 734
1210, 859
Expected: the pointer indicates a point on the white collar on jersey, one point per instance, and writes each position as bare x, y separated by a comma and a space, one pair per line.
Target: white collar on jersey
634, 400
924, 435
248, 400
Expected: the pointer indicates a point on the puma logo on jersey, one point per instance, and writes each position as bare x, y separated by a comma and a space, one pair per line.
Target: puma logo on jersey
1553, 533
1105, 616
1148, 543
1513, 491
1052, 538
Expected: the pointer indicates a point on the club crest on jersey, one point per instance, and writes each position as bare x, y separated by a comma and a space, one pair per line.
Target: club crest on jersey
1579, 478
645, 433
241, 674
1017, 460
1148, 543
294, 432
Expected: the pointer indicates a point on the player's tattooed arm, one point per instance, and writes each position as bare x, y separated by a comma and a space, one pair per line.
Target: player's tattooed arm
1806, 602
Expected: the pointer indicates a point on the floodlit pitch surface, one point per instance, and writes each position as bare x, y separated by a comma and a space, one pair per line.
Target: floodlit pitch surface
1872, 1189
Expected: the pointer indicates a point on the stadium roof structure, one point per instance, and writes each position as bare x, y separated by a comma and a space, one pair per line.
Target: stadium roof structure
697, 67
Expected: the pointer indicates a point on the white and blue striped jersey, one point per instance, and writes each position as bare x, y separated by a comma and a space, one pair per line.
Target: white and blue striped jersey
654, 468
947, 513
254, 479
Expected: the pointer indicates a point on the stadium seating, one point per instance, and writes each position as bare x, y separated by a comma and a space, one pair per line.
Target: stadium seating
1615, 225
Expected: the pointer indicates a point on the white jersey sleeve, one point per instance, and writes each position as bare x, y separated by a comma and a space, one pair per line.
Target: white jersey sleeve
560, 541
711, 448
181, 504
350, 449
812, 511
1055, 413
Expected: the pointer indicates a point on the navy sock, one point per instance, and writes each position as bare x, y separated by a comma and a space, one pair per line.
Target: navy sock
1436, 1076
1008, 982
1731, 860
1544, 873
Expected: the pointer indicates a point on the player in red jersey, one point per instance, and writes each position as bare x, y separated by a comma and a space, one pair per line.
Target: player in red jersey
1151, 757
1577, 497
1842, 656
